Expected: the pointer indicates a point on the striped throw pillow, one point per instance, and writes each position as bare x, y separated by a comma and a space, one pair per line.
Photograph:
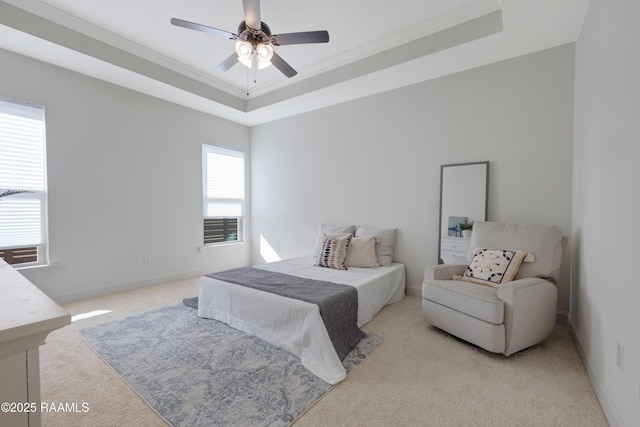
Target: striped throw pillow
334, 251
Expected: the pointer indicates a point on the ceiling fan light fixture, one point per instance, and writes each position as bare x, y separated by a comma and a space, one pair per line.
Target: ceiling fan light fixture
245, 61
264, 52
254, 40
263, 64
244, 50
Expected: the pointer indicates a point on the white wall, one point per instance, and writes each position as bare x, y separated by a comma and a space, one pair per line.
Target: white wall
124, 179
606, 207
376, 161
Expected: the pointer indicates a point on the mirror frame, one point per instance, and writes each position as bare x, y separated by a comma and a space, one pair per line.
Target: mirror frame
486, 198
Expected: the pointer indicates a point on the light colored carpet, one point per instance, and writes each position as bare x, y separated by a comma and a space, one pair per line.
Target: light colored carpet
419, 376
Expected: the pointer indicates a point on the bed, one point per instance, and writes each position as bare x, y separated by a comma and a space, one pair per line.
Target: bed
296, 325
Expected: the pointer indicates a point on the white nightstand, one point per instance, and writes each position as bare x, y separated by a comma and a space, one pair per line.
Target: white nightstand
453, 250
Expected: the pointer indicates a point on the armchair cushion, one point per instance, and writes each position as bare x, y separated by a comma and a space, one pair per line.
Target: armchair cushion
480, 302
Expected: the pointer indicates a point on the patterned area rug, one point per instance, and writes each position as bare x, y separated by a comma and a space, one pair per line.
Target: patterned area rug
200, 372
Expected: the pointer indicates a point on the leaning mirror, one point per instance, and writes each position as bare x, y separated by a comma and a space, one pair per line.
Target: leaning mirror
463, 199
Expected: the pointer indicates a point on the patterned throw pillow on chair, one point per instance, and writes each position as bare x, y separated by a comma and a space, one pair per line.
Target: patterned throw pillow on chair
493, 267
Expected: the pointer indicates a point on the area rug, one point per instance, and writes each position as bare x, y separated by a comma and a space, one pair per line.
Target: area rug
200, 372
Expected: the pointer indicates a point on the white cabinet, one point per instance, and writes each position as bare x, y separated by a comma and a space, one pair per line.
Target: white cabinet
27, 316
453, 250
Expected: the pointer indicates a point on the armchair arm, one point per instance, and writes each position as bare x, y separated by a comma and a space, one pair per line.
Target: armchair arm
443, 271
529, 312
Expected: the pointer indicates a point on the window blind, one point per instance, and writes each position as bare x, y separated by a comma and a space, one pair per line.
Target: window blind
223, 183
22, 167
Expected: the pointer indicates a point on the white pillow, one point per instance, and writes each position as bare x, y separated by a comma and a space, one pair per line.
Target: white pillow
362, 252
331, 229
384, 249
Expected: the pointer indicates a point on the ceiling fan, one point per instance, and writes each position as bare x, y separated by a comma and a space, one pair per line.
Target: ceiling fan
255, 39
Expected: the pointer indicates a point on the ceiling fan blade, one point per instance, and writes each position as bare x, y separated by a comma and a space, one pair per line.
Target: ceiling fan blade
199, 27
252, 13
300, 38
228, 63
283, 66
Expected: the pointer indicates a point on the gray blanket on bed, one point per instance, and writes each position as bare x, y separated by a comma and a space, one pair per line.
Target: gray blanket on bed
338, 303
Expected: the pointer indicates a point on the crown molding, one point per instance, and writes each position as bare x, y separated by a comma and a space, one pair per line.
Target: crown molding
88, 29
442, 22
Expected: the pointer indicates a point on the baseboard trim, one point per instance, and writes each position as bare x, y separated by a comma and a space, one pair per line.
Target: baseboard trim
62, 299
562, 317
608, 407
414, 292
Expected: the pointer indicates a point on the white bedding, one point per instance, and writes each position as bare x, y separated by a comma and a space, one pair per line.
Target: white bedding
295, 325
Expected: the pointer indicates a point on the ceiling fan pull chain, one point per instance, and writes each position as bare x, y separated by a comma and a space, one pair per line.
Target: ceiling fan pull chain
247, 82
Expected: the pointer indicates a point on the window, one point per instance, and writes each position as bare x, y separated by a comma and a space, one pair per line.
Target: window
223, 194
22, 183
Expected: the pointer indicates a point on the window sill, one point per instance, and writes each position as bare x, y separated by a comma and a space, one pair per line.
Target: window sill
218, 246
38, 270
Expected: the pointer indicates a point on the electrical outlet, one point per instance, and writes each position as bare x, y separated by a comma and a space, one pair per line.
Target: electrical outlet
146, 259
620, 358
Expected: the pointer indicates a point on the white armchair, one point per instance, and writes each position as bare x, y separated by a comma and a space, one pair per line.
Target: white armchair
512, 316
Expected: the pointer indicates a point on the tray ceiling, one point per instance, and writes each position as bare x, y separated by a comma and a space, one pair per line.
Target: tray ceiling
374, 46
